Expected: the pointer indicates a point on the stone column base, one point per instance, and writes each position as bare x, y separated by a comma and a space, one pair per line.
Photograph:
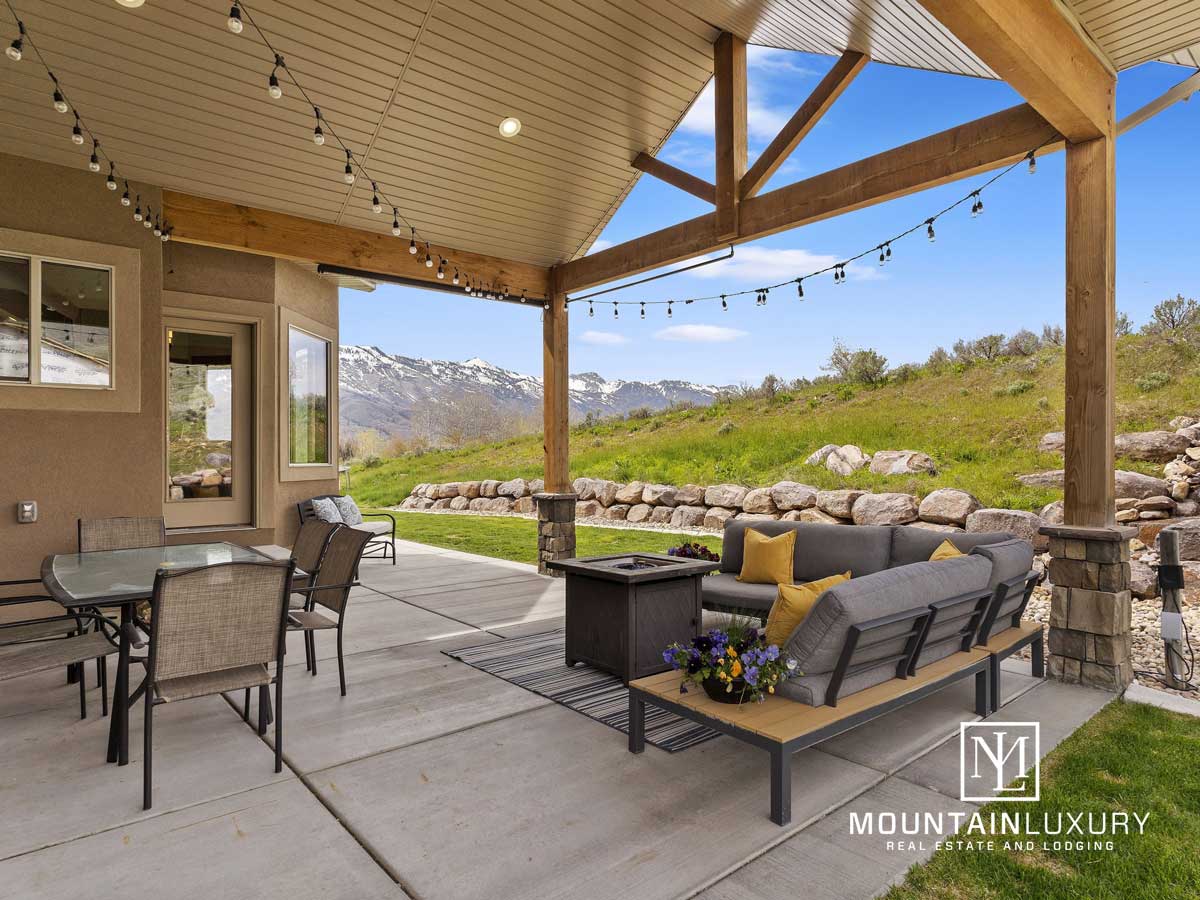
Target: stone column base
556, 529
1091, 607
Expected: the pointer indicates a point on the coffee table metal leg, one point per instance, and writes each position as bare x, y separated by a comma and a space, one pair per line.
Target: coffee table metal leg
637, 723
781, 785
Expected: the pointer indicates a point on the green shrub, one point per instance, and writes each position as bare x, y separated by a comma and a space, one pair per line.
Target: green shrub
372, 462
1043, 402
1014, 388
1152, 381
726, 428
844, 392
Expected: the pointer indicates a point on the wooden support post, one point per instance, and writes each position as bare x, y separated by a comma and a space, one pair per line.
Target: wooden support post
555, 396
729, 75
1091, 310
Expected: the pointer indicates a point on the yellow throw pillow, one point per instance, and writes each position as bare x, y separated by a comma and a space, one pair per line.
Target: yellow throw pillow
767, 560
945, 550
793, 604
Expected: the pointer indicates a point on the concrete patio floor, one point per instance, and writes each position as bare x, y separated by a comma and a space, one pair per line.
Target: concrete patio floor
432, 779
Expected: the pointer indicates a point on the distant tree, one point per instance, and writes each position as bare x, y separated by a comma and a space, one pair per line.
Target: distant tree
1052, 335
990, 346
938, 359
1122, 325
1173, 316
965, 351
839, 360
1023, 343
904, 373
770, 386
860, 366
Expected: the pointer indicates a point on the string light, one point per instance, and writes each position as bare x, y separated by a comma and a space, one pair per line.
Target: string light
1032, 162
669, 313
235, 19
616, 311
799, 289
428, 257
724, 305
977, 206
396, 229
111, 181
125, 196
94, 162
318, 133
441, 271
146, 220
274, 91
929, 231
644, 310
13, 50
76, 132
376, 206
412, 243
137, 210
60, 102
592, 312
454, 280
348, 174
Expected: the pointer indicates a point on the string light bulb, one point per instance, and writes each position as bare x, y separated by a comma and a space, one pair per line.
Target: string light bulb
441, 271
274, 91
146, 220
888, 251
13, 50
644, 310
137, 210
800, 288
60, 102
77, 132
412, 248
318, 133
591, 311
125, 196
670, 303
376, 206
454, 280
348, 172
94, 162
616, 310
396, 230
1032, 162
157, 227
234, 22
724, 305
882, 258
929, 230
166, 235
428, 258
111, 181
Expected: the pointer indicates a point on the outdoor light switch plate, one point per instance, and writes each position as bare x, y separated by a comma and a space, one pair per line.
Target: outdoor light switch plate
27, 511
1172, 626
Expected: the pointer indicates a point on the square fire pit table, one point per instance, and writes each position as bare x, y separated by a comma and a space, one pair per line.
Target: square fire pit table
623, 611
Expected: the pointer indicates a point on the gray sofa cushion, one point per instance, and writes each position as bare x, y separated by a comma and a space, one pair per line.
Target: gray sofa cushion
911, 545
724, 591
817, 642
821, 550
1010, 559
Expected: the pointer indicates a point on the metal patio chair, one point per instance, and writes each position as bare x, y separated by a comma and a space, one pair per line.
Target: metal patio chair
330, 591
383, 534
216, 629
121, 533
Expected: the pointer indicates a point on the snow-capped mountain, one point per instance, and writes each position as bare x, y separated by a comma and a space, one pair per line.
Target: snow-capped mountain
381, 391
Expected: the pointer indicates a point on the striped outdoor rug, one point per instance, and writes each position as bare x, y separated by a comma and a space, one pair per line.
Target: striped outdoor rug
535, 662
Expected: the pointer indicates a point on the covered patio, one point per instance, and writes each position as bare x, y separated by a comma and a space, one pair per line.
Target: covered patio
434, 779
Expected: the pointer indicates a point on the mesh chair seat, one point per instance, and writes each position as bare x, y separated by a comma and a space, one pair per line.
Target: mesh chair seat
54, 655
121, 533
185, 687
311, 621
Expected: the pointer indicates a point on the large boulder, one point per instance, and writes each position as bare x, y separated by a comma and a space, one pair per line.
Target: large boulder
1054, 442
1143, 580
524, 505
489, 488
584, 488
500, 505
460, 502
630, 493
938, 527
818, 515
846, 460
688, 516
1151, 446
838, 503
468, 489
1182, 422
759, 501
818, 457
729, 496
793, 495
447, 491
638, 512
659, 495
716, 516
480, 504
588, 509
606, 491
902, 462
885, 509
517, 487
1189, 539
1129, 484
948, 506
690, 495
1017, 522
661, 515
1191, 432
537, 486
1054, 513
618, 512
443, 503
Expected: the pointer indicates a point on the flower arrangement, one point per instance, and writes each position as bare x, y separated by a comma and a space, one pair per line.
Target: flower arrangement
694, 550
732, 665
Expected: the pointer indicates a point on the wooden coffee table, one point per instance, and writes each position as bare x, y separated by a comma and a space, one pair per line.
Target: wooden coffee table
624, 610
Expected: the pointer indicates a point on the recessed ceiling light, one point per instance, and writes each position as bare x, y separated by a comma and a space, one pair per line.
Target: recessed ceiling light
132, 4
510, 127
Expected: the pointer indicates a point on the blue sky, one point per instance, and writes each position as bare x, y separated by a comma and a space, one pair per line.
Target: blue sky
999, 272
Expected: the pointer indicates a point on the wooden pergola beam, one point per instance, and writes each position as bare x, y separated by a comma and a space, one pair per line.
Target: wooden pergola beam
685, 181
1043, 54
729, 79
802, 121
215, 223
968, 149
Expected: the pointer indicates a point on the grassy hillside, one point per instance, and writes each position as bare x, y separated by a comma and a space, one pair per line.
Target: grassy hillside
979, 422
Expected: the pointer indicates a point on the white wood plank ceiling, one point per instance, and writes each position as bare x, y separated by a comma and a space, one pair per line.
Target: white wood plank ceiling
417, 88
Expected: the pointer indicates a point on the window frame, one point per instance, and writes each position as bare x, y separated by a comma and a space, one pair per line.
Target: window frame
34, 379
288, 470
287, 338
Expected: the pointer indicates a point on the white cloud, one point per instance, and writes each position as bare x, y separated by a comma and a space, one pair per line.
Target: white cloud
762, 120
598, 245
699, 334
760, 265
774, 59
603, 338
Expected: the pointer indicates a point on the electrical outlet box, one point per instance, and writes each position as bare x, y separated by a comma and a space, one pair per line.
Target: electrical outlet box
27, 512
1172, 626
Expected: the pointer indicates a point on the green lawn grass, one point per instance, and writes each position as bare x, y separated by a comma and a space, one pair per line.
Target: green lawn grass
1129, 757
516, 539
979, 433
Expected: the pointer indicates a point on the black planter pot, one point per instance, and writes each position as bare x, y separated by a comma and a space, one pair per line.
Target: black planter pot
716, 690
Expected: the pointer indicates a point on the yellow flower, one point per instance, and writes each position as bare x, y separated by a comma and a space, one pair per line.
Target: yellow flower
737, 669
730, 651
770, 690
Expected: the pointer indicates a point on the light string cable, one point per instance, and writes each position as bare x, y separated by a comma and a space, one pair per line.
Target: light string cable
380, 200
81, 132
883, 248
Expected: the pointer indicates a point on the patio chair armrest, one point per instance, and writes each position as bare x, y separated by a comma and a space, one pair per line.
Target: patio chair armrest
380, 515
326, 587
27, 598
20, 581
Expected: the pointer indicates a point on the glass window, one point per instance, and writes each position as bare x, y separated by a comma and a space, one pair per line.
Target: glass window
75, 341
199, 415
63, 312
14, 319
308, 398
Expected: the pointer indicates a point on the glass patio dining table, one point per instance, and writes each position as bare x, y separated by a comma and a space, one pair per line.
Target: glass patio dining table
108, 579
